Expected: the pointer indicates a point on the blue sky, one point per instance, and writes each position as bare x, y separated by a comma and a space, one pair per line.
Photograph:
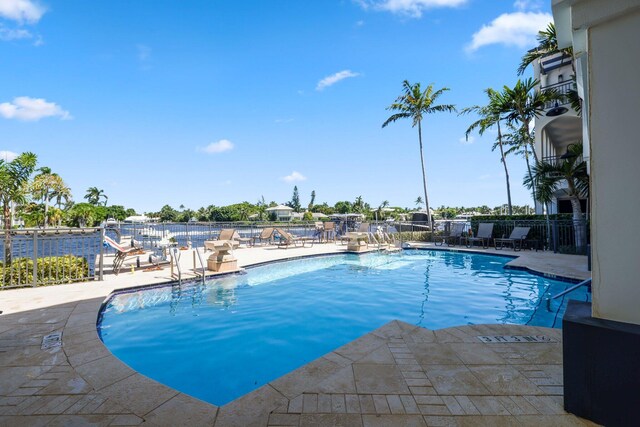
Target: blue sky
203, 102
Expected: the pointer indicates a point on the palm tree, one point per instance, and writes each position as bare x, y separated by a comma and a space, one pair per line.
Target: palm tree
94, 195
419, 201
414, 104
47, 186
548, 178
491, 115
547, 45
14, 177
522, 104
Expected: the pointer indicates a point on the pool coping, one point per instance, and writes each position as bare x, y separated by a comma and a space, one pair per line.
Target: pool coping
88, 355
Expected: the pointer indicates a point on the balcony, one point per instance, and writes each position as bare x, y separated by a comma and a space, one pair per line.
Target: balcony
562, 88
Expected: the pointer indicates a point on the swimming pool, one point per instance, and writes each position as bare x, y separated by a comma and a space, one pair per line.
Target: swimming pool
225, 338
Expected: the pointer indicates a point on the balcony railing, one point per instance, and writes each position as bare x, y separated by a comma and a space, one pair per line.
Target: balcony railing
563, 89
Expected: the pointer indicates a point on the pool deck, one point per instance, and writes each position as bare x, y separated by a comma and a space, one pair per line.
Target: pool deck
397, 375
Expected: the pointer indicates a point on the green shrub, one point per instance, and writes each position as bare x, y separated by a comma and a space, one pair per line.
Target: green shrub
51, 271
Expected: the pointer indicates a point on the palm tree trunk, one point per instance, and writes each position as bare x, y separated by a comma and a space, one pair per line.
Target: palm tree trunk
46, 211
7, 234
579, 226
526, 158
506, 171
424, 176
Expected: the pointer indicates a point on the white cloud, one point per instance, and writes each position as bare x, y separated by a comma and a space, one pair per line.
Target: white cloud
32, 109
218, 147
527, 4
295, 176
335, 78
412, 8
21, 10
511, 29
467, 141
283, 120
7, 156
7, 34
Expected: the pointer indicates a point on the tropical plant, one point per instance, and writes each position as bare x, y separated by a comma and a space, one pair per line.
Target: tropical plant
568, 174
14, 177
47, 186
419, 202
94, 195
414, 104
547, 45
490, 116
523, 103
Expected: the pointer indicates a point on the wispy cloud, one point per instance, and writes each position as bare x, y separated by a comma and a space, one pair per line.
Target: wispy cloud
21, 11
7, 156
294, 177
528, 4
467, 141
411, 8
283, 120
218, 147
32, 109
8, 34
335, 78
517, 29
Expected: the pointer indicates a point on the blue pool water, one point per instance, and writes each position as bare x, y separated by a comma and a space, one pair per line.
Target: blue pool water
225, 338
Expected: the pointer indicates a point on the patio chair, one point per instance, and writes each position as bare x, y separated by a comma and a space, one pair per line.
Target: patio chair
455, 235
122, 252
341, 233
287, 239
329, 232
266, 235
230, 235
515, 240
485, 231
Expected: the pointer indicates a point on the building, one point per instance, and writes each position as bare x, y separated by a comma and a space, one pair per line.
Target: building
282, 212
601, 340
561, 125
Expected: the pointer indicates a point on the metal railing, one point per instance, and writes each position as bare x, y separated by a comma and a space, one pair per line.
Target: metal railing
36, 256
557, 235
563, 89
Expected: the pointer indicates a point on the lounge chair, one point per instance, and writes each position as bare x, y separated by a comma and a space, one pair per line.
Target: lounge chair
287, 239
515, 240
230, 235
266, 235
485, 231
122, 252
455, 235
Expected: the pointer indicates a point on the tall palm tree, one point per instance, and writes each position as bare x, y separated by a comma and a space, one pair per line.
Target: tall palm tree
547, 45
523, 103
419, 201
94, 195
46, 186
414, 104
548, 178
490, 116
14, 177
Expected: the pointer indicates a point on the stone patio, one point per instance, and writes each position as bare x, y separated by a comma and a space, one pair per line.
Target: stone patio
397, 375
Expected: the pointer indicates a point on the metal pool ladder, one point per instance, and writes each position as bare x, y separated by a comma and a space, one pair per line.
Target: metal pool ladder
175, 259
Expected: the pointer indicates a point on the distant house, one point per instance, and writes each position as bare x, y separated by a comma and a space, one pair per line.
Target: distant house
282, 212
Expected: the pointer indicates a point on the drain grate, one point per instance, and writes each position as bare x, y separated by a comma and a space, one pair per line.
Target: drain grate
51, 340
493, 339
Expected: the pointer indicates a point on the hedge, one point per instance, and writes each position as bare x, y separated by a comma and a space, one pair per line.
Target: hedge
51, 271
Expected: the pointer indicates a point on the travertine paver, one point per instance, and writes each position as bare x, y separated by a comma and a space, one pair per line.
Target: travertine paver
398, 374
